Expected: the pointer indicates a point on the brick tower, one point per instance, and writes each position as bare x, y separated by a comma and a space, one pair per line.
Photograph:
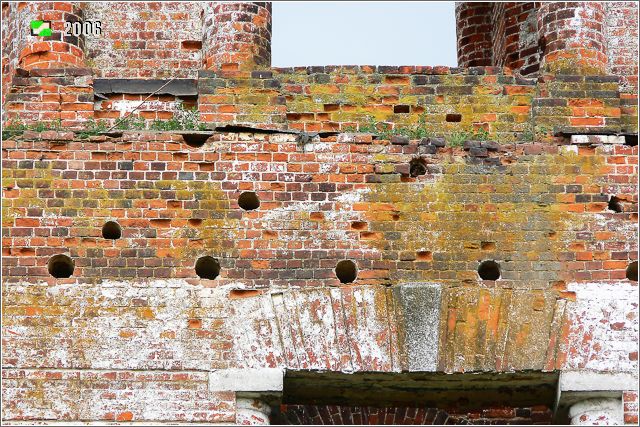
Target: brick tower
584, 38
572, 37
474, 33
44, 79
236, 36
58, 50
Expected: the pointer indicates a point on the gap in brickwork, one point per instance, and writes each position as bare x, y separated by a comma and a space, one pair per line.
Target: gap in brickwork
207, 267
466, 392
346, 271
60, 266
417, 167
195, 140
453, 118
631, 140
195, 222
489, 270
195, 45
111, 230
632, 271
249, 201
615, 205
244, 293
487, 246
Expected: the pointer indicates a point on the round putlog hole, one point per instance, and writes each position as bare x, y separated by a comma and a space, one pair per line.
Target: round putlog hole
346, 271
489, 270
111, 230
60, 266
249, 201
207, 267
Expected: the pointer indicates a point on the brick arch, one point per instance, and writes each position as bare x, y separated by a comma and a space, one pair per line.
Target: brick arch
363, 415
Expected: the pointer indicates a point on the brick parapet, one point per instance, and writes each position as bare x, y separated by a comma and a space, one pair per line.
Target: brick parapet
441, 100
51, 97
433, 100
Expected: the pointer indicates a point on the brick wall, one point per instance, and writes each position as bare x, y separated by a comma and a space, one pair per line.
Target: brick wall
622, 43
331, 415
174, 274
545, 220
108, 396
145, 39
630, 400
356, 189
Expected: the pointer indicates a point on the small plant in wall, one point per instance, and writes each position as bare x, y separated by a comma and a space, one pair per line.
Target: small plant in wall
92, 128
130, 123
183, 119
17, 127
385, 130
13, 128
457, 139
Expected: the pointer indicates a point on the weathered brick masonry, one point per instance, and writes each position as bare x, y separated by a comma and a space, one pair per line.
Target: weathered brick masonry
290, 265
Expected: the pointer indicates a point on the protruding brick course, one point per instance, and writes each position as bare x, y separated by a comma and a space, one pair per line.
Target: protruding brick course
236, 35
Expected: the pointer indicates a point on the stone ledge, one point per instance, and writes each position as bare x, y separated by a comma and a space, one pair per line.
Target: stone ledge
580, 386
597, 139
247, 380
573, 381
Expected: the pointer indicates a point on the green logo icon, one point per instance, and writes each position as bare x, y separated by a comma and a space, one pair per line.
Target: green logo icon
41, 28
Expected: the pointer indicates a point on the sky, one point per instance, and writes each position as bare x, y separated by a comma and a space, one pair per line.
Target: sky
363, 33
